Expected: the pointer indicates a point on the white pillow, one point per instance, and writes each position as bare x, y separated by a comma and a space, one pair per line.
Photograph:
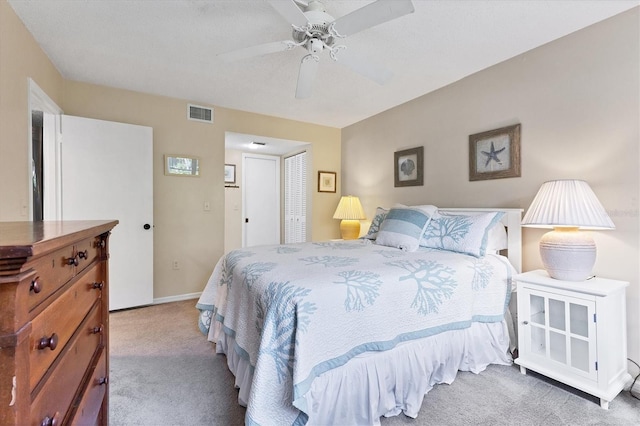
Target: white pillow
427, 208
460, 233
403, 228
497, 238
372, 233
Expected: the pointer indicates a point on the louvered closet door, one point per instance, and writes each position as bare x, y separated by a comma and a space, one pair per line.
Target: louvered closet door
295, 208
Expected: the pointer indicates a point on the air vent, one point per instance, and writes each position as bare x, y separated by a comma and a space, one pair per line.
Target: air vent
199, 113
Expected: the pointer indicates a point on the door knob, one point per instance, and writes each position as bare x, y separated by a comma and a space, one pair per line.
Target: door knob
147, 226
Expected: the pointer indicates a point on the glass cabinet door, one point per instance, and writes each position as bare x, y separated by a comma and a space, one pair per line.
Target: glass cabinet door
561, 329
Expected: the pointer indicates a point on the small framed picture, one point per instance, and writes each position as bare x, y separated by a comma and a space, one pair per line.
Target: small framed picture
326, 181
408, 167
181, 165
495, 154
229, 173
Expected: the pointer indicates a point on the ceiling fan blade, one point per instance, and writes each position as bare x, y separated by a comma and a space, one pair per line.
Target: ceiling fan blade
359, 64
371, 15
289, 11
306, 76
261, 49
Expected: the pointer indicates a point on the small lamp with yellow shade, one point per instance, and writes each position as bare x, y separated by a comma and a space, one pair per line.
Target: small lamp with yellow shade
350, 211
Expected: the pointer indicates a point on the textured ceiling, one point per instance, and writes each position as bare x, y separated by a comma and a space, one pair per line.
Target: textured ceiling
169, 48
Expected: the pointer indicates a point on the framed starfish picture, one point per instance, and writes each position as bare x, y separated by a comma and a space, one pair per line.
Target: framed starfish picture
495, 154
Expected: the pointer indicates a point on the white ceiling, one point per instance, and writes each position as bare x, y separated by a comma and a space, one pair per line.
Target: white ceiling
169, 48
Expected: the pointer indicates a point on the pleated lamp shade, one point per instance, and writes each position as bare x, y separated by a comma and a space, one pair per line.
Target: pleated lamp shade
351, 212
567, 206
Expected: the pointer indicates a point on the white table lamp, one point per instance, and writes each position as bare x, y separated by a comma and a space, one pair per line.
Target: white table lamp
567, 206
350, 211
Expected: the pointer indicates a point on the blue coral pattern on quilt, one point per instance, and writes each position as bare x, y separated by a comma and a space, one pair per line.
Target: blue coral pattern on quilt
292, 310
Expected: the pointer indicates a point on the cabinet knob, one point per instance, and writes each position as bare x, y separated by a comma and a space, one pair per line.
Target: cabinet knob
98, 286
525, 322
48, 342
35, 286
83, 254
103, 381
73, 261
96, 330
51, 421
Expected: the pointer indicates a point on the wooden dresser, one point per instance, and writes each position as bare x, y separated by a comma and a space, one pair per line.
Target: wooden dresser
54, 322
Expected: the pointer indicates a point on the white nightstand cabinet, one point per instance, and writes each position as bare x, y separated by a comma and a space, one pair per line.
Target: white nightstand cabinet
574, 332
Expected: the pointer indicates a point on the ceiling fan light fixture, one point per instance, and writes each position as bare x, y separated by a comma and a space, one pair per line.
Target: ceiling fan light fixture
316, 30
315, 46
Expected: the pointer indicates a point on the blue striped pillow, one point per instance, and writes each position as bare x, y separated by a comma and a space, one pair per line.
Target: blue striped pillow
403, 228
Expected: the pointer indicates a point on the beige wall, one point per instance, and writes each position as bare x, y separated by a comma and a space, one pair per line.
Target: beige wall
183, 230
20, 58
577, 99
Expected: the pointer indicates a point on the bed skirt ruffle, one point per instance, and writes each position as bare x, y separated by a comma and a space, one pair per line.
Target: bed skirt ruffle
376, 384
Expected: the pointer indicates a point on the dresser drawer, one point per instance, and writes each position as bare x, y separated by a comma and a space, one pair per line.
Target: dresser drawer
52, 272
90, 403
54, 398
52, 329
87, 250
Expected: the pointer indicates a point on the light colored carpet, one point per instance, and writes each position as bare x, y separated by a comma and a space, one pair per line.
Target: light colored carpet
164, 372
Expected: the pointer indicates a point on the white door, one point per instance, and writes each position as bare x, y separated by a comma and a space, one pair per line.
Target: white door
107, 173
261, 204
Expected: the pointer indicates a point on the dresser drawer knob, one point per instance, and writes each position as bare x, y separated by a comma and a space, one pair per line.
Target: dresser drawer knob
49, 342
51, 421
97, 330
98, 286
103, 381
35, 286
83, 254
73, 261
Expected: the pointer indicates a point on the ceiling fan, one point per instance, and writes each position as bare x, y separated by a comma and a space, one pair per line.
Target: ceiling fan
316, 31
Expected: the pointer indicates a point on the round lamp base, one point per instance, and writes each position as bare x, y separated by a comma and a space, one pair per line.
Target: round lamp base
568, 254
349, 229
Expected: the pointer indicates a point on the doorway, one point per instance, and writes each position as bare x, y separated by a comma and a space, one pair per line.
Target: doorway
239, 144
44, 156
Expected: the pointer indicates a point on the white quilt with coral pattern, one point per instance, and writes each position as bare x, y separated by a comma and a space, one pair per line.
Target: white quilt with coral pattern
296, 311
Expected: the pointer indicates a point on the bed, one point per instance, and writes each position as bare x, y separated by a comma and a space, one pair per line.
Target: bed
344, 332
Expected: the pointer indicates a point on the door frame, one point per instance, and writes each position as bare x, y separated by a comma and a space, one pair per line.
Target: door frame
246, 155
51, 158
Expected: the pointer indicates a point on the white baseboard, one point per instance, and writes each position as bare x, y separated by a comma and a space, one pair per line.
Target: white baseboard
177, 298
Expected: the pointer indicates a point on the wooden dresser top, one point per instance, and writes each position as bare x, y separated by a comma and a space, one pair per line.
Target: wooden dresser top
29, 239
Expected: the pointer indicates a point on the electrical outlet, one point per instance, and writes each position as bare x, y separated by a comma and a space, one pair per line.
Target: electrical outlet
207, 206
175, 264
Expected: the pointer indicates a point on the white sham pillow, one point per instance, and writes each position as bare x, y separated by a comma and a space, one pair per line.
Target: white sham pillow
497, 238
372, 233
467, 234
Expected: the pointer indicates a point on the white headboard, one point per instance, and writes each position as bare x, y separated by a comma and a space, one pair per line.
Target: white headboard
511, 221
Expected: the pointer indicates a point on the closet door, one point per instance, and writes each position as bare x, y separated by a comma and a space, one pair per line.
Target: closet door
296, 198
